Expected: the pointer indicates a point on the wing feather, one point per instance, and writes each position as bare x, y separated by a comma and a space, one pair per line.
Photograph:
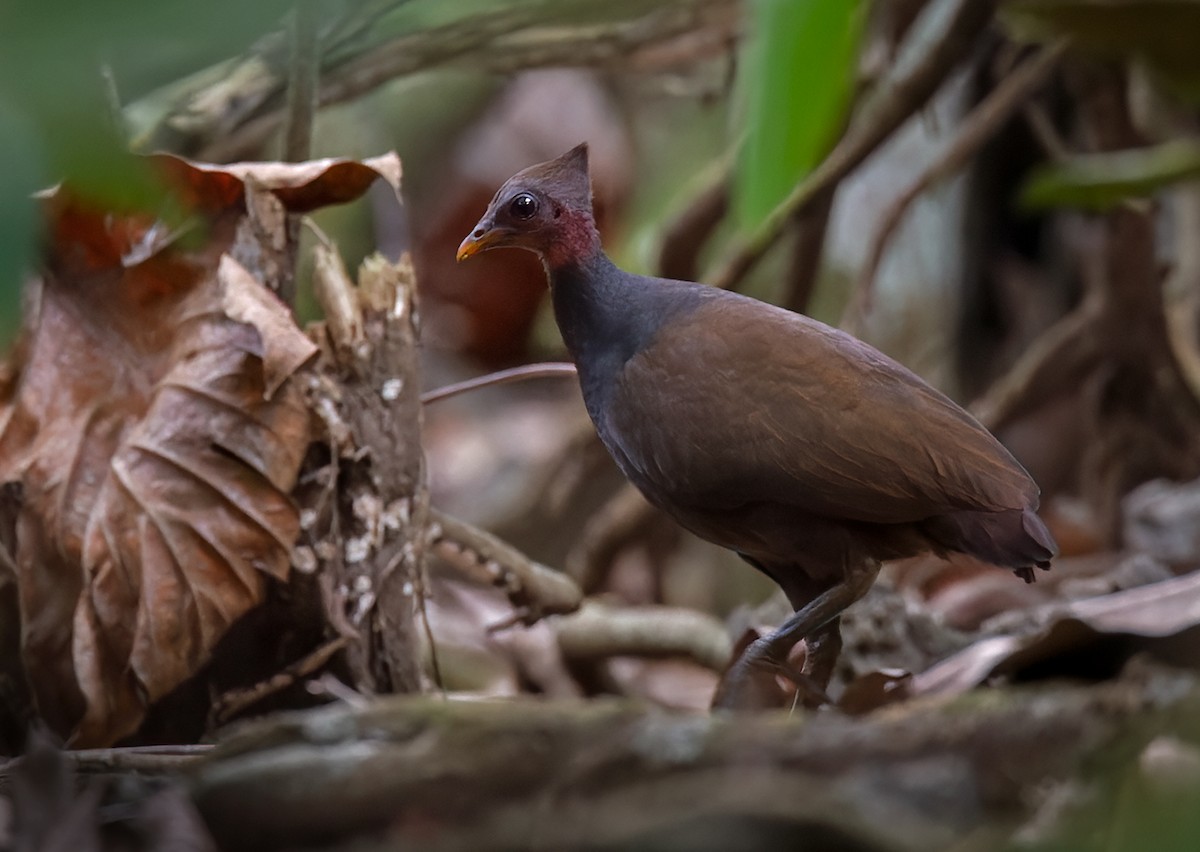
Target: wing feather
776, 407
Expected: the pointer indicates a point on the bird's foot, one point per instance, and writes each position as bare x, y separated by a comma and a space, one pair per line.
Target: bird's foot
752, 682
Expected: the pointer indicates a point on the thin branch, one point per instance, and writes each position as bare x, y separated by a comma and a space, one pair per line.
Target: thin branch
983, 122
939, 39
303, 73
237, 700
223, 120
624, 518
300, 114
112, 97
1181, 292
550, 369
330, 686
435, 661
808, 244
598, 631
146, 760
686, 235
534, 589
1056, 360
1044, 131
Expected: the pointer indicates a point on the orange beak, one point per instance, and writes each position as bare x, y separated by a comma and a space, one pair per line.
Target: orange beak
481, 239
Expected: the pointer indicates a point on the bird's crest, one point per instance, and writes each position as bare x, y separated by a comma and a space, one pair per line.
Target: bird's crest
564, 178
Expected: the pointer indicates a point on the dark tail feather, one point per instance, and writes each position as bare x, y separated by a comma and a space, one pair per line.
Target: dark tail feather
1015, 538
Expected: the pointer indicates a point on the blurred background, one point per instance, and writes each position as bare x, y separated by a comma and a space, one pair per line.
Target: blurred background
1001, 195
1009, 209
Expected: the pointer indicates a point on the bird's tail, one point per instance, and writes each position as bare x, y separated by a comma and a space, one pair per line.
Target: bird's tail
1015, 538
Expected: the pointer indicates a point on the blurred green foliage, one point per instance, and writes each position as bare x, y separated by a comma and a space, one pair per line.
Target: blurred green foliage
1100, 182
797, 80
1160, 34
21, 164
62, 65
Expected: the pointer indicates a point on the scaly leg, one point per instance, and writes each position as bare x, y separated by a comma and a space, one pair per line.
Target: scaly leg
822, 650
750, 681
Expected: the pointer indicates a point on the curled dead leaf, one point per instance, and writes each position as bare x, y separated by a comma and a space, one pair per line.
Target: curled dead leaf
285, 349
1161, 618
302, 187
149, 421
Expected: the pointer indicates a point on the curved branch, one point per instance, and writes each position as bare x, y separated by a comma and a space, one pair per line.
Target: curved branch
598, 631
939, 39
1058, 358
977, 128
227, 114
550, 369
534, 589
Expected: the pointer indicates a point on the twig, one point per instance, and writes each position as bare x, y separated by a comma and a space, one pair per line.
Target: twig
235, 110
153, 760
599, 631
112, 97
303, 67
624, 517
1058, 358
435, 662
303, 71
979, 126
237, 700
807, 245
502, 377
531, 586
687, 233
329, 685
1181, 291
942, 35
1044, 131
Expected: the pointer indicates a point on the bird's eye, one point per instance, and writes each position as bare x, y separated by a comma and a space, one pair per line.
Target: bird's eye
523, 206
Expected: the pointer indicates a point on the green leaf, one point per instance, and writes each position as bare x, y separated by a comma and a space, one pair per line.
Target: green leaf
18, 212
56, 122
1162, 34
1101, 181
798, 77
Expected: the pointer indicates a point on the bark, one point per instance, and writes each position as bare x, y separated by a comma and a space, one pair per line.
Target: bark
567, 776
366, 505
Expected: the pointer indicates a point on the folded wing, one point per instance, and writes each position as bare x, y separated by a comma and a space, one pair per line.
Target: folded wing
827, 424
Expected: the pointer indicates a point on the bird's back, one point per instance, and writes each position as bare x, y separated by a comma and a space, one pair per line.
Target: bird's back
763, 429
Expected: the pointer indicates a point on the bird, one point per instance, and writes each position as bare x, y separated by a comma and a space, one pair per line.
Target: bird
812, 455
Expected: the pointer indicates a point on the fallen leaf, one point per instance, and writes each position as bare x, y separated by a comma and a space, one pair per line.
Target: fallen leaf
302, 187
150, 424
874, 690
1090, 635
285, 347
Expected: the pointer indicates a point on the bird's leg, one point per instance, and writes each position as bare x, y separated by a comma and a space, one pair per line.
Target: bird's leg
822, 649
750, 681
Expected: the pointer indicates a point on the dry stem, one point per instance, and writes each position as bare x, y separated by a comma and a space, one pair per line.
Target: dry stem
534, 589
979, 126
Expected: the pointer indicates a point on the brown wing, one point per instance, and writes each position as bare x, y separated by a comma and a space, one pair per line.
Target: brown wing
762, 405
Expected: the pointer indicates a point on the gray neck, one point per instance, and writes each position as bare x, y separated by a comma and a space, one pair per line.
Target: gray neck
607, 315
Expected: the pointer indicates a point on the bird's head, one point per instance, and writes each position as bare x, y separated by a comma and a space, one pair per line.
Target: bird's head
546, 209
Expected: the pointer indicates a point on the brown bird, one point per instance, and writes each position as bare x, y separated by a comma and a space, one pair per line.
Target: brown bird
811, 454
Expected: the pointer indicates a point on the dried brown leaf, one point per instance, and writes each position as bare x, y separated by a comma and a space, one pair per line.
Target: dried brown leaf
874, 690
285, 349
301, 187
148, 421
1160, 618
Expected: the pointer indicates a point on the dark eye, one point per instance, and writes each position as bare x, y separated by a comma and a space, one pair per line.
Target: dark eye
523, 206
